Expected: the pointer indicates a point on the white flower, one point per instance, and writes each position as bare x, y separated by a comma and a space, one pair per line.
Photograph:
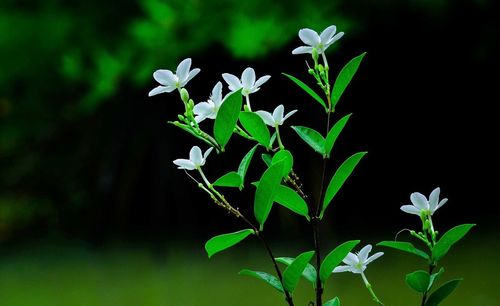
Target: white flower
247, 82
170, 81
276, 118
195, 161
423, 206
320, 42
357, 262
209, 109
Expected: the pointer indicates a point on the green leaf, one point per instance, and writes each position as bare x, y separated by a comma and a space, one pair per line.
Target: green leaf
309, 272
231, 179
307, 89
266, 192
338, 179
442, 292
334, 258
334, 133
292, 273
418, 281
312, 137
227, 118
267, 158
344, 78
405, 247
287, 158
334, 302
266, 277
244, 164
225, 241
434, 278
256, 127
449, 239
287, 197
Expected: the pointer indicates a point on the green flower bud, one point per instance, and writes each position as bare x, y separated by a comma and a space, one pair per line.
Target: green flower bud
184, 95
315, 55
311, 71
181, 117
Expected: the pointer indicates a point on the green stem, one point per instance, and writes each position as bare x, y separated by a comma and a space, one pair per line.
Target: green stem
370, 289
424, 297
282, 147
249, 109
238, 130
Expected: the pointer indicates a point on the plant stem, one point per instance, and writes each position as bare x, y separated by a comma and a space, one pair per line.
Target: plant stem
424, 297
370, 289
282, 147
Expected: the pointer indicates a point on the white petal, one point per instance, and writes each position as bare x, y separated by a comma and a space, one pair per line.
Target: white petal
158, 90
334, 39
419, 201
184, 164
278, 114
309, 37
191, 75
410, 209
183, 70
342, 269
195, 156
165, 77
363, 254
327, 34
373, 257
203, 108
216, 96
248, 78
267, 117
289, 114
233, 82
262, 80
434, 199
351, 259
207, 152
200, 118
443, 201
302, 50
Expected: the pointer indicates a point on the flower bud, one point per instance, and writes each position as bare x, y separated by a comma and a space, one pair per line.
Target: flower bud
184, 95
315, 55
181, 117
311, 71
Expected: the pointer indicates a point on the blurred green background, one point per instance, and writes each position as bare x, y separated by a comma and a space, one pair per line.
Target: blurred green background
92, 212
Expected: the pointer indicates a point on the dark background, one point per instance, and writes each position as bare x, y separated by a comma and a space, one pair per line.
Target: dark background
86, 156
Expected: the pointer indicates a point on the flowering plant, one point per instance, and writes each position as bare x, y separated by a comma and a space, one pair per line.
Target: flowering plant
279, 183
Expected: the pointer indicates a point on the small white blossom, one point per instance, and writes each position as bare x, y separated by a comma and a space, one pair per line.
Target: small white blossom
170, 81
247, 82
209, 109
420, 204
321, 42
195, 161
276, 118
357, 262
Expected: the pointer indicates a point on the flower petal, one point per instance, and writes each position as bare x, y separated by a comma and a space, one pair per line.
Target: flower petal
203, 108
302, 50
334, 39
216, 95
342, 269
158, 90
327, 34
191, 75
165, 77
373, 257
184, 164
233, 82
207, 152
434, 199
267, 117
195, 156
262, 80
419, 201
182, 71
363, 254
410, 209
443, 201
309, 37
248, 78
289, 114
351, 259
278, 114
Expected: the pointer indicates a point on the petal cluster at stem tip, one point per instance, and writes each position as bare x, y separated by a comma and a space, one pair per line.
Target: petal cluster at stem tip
319, 42
248, 83
210, 108
357, 262
276, 118
170, 81
420, 205
195, 161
